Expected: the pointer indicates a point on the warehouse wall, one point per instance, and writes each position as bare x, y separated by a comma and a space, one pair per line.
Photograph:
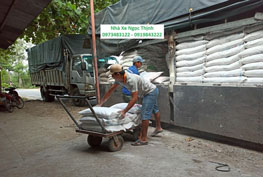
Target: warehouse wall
234, 112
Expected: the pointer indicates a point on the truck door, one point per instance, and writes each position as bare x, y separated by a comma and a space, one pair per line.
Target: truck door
77, 75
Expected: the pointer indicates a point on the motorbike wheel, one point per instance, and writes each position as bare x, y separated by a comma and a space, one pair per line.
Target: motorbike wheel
19, 103
9, 107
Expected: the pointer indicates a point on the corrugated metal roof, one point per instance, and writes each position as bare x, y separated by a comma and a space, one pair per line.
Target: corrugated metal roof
15, 16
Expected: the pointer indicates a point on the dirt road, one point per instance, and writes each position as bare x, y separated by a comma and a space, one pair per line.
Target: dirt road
39, 140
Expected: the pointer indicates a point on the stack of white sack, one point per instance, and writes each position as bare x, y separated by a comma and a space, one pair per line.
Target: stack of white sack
223, 60
252, 58
109, 118
104, 78
127, 58
189, 61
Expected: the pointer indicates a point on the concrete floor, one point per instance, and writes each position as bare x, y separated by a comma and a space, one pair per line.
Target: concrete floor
39, 140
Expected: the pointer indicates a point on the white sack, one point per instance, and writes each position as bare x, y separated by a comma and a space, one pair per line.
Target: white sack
190, 56
111, 125
252, 59
225, 46
224, 79
187, 45
127, 64
254, 73
191, 50
190, 68
103, 79
102, 112
161, 79
189, 79
150, 75
224, 40
254, 43
253, 66
253, 36
251, 51
233, 73
225, 54
91, 120
191, 74
223, 61
116, 121
190, 62
126, 61
134, 110
230, 67
254, 80
97, 128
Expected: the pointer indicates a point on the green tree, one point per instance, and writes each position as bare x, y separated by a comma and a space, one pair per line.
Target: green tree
63, 17
60, 17
14, 66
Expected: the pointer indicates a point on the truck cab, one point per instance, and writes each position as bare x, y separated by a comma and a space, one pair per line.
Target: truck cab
81, 75
82, 79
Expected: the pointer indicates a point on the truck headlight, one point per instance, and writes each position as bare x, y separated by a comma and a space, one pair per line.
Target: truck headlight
89, 87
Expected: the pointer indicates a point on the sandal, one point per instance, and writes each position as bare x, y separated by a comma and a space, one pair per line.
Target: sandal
156, 132
139, 143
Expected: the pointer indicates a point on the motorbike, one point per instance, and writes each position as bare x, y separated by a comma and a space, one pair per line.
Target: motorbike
11, 99
5, 101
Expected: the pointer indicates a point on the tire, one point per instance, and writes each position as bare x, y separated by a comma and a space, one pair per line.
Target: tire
19, 103
94, 141
45, 95
115, 146
9, 107
77, 102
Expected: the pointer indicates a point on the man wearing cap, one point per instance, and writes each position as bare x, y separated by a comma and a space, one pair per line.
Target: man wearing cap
137, 63
139, 87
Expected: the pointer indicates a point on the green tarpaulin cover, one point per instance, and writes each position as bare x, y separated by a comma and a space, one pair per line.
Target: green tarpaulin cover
50, 54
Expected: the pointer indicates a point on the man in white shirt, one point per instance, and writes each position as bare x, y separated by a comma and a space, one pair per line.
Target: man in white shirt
138, 87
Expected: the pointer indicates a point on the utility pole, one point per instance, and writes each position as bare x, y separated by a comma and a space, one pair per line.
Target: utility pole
94, 50
0, 80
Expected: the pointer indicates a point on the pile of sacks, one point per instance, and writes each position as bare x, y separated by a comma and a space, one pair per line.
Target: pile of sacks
109, 118
252, 57
235, 58
104, 78
126, 60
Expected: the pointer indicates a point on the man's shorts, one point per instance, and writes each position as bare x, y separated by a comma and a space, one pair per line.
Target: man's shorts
150, 104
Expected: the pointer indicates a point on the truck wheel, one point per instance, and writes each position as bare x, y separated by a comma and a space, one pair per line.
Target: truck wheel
77, 102
45, 95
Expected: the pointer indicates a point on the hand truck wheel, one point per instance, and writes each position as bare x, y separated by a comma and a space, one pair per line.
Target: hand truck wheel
94, 141
115, 143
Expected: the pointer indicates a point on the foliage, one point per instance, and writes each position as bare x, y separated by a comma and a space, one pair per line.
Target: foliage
14, 68
63, 17
60, 17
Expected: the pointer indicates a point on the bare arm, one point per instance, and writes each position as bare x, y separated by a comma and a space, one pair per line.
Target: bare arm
108, 94
131, 103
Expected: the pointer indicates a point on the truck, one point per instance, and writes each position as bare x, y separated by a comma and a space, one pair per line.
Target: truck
62, 66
